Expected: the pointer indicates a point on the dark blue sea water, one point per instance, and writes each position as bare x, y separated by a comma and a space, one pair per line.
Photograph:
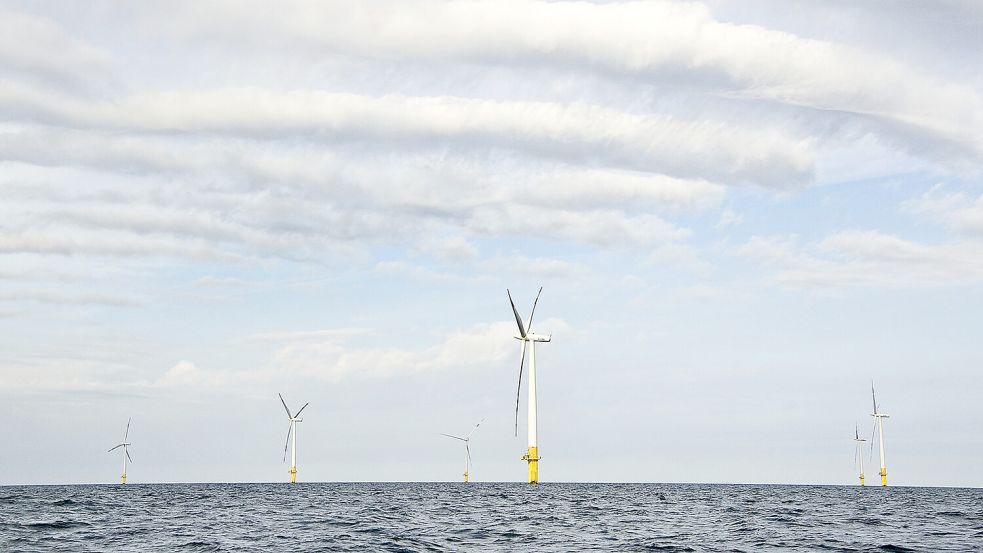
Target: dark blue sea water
487, 517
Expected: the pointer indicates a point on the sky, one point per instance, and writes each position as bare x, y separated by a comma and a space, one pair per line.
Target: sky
741, 214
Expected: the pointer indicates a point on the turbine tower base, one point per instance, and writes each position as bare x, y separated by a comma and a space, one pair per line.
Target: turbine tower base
293, 475
861, 479
532, 456
884, 477
122, 479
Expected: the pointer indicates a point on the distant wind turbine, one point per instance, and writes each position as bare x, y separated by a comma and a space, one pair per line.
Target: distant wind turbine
126, 453
292, 429
859, 455
467, 449
526, 336
879, 429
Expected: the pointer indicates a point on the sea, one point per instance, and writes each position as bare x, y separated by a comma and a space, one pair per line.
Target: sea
311, 517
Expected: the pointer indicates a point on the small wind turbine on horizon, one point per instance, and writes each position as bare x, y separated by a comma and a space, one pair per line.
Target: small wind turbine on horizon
467, 449
292, 429
526, 336
879, 430
126, 453
859, 455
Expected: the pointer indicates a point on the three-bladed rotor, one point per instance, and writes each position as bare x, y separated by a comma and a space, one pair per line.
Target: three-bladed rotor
857, 454
876, 413
467, 443
294, 419
525, 335
124, 444
878, 419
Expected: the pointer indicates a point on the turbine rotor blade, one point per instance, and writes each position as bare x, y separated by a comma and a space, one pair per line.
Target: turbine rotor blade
285, 408
518, 319
117, 447
873, 435
127, 433
475, 428
873, 397
455, 437
290, 427
127, 451
518, 389
529, 324
301, 409
468, 450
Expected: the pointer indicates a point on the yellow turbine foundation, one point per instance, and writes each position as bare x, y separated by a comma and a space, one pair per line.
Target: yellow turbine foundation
123, 479
293, 475
861, 479
884, 477
465, 476
532, 456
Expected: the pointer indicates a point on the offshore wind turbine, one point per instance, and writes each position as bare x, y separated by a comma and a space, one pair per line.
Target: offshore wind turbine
126, 453
292, 429
879, 428
859, 455
526, 336
467, 449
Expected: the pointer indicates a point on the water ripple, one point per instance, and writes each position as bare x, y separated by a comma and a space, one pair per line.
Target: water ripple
265, 518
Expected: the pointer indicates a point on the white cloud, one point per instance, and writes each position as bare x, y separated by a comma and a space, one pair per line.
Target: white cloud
729, 218
100, 244
867, 259
481, 346
34, 47
609, 228
957, 210
187, 374
568, 132
654, 39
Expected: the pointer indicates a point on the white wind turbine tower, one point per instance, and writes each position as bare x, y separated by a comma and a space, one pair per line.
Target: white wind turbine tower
292, 429
526, 336
859, 455
467, 449
126, 453
879, 429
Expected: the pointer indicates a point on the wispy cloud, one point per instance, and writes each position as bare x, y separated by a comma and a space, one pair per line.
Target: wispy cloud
481, 346
867, 259
71, 298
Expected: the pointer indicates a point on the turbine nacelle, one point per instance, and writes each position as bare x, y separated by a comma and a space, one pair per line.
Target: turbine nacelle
534, 337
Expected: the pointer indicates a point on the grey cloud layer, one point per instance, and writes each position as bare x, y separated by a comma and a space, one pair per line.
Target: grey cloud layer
231, 167
569, 132
654, 40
